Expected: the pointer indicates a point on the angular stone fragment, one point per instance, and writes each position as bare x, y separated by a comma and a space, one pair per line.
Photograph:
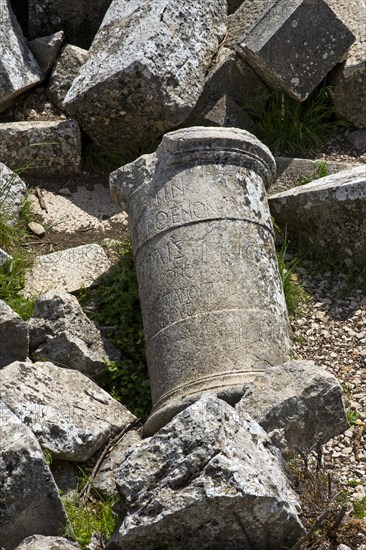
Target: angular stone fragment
105, 480
29, 500
299, 398
46, 49
146, 68
200, 229
326, 217
274, 37
4, 258
61, 332
68, 413
68, 270
80, 19
46, 148
40, 542
14, 336
18, 68
64, 73
12, 192
207, 480
229, 84
349, 79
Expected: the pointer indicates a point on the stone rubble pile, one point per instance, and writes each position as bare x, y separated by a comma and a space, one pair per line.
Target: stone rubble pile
229, 404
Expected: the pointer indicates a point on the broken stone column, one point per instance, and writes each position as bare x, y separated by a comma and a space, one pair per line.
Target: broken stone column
213, 306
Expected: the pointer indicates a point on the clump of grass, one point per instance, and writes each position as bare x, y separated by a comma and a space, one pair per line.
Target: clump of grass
321, 171
359, 508
352, 417
116, 304
294, 293
291, 127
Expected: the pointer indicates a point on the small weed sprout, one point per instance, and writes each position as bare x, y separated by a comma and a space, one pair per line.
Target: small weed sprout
321, 171
352, 417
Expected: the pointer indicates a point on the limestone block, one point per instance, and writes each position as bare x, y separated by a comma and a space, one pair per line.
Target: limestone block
200, 229
79, 19
301, 399
274, 37
64, 73
68, 270
349, 79
12, 192
29, 500
326, 216
69, 414
60, 332
146, 68
291, 171
46, 50
18, 68
229, 84
40, 542
207, 481
14, 336
46, 148
105, 481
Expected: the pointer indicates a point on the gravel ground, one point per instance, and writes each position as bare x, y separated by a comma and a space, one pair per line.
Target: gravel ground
331, 331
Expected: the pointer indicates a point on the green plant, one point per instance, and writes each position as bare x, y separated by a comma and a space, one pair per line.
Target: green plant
116, 304
86, 518
293, 291
359, 508
352, 417
321, 171
47, 456
293, 127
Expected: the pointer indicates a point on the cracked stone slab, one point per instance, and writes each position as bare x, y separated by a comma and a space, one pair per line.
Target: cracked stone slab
46, 148
70, 415
200, 479
29, 500
19, 70
68, 270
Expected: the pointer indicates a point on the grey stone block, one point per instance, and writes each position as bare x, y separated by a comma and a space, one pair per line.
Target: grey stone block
200, 228
60, 332
29, 500
146, 69
79, 19
326, 217
207, 481
69, 414
46, 50
64, 73
275, 38
14, 336
68, 270
18, 68
301, 399
12, 192
46, 148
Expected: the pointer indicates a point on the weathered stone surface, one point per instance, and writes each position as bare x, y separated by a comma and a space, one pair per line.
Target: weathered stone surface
233, 5
60, 332
358, 139
292, 171
18, 68
47, 148
29, 501
40, 542
230, 82
105, 480
64, 73
299, 398
202, 478
67, 478
349, 79
146, 68
4, 258
68, 270
14, 336
275, 39
200, 227
46, 50
326, 216
12, 192
80, 19
68, 413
